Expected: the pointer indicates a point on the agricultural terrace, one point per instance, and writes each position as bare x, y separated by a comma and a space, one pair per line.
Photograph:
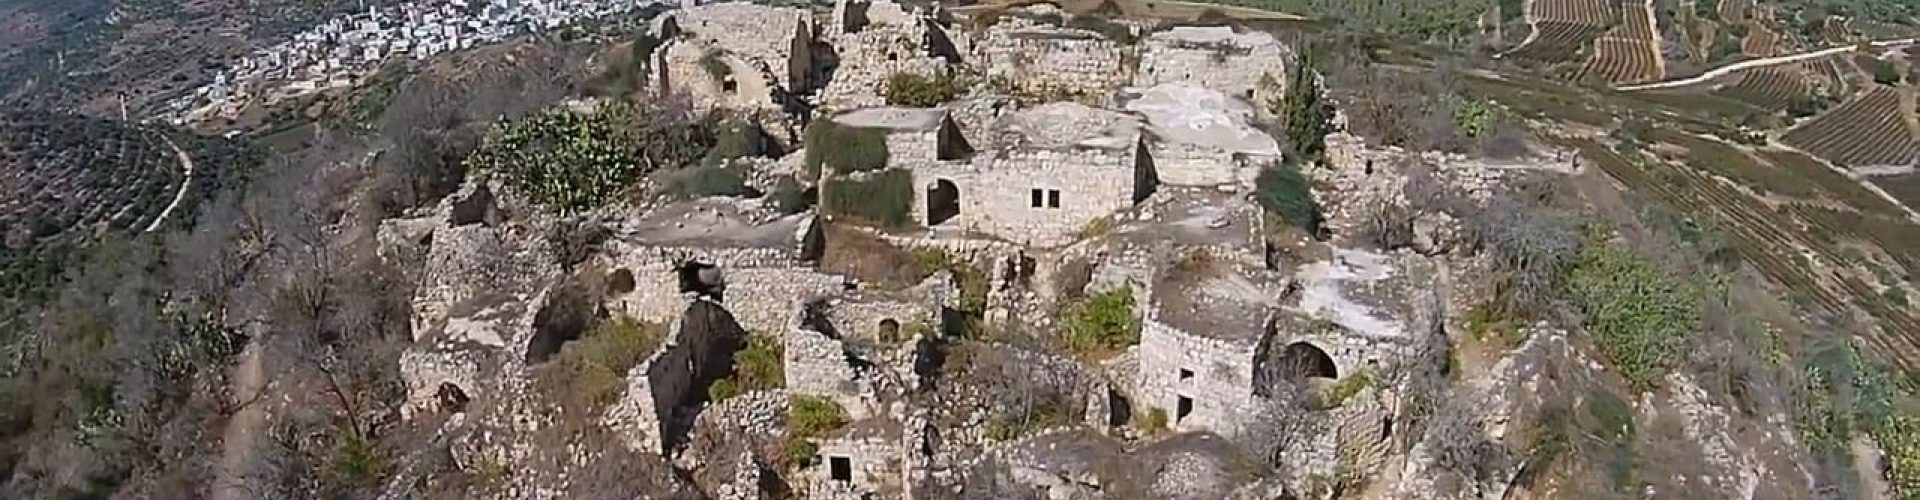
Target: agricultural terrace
1561, 28
1771, 87
1628, 53
1760, 41
1874, 128
1734, 11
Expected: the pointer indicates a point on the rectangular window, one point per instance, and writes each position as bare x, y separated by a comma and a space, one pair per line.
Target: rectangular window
841, 468
1038, 194
1053, 198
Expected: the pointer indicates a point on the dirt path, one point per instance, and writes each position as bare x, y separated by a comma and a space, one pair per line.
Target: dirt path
236, 441
1763, 62
186, 182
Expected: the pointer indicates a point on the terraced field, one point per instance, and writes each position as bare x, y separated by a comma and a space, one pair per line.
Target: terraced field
1874, 128
1760, 41
65, 180
1561, 28
1628, 53
1771, 87
1734, 11
1905, 187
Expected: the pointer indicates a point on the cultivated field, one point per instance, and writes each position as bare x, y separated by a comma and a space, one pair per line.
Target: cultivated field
1734, 11
1771, 87
72, 177
1561, 28
1628, 53
1760, 41
1875, 128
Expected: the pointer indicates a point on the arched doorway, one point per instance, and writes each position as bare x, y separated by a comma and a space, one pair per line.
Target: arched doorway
943, 202
1302, 360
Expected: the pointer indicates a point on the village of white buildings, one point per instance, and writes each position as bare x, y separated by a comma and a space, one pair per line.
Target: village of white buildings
1071, 166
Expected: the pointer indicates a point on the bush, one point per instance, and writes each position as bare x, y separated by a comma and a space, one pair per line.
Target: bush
1347, 388
589, 373
789, 197
1283, 191
910, 89
1103, 323
738, 141
569, 161
882, 199
761, 366
1009, 427
809, 417
1640, 317
704, 181
844, 150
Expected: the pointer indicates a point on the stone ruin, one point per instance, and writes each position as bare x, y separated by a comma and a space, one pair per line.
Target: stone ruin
1250, 65
738, 56
1041, 60
874, 40
1201, 136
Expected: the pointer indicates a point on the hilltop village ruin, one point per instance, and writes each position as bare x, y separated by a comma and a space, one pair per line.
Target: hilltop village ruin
1074, 164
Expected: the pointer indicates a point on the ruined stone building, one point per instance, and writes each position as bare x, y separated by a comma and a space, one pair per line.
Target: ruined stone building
1045, 175
1202, 137
874, 40
1053, 61
1251, 65
738, 55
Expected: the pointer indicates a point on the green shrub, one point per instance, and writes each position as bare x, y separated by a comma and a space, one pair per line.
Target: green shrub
1639, 317
1283, 191
789, 197
569, 161
842, 149
715, 67
356, 460
704, 181
880, 198
1345, 389
810, 417
1103, 323
760, 366
1008, 427
737, 141
910, 89
589, 373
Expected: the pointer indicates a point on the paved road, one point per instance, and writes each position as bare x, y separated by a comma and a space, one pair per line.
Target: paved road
1763, 62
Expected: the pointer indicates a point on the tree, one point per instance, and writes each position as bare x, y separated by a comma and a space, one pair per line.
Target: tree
911, 89
1887, 73
1306, 117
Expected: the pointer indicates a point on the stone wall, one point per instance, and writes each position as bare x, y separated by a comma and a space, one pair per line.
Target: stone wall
1251, 66
1189, 165
680, 69
1043, 61
764, 286
868, 57
876, 462
1218, 377
781, 37
704, 333
996, 191
817, 365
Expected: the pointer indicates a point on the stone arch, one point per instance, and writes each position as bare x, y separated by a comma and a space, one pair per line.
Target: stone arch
1303, 360
943, 202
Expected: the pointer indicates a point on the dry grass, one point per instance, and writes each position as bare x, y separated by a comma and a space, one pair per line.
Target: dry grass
868, 258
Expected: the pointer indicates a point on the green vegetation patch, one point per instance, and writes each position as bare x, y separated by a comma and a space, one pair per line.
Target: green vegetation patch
843, 149
1340, 392
589, 373
882, 199
760, 366
911, 89
1639, 316
809, 418
1103, 323
569, 161
710, 180
1284, 191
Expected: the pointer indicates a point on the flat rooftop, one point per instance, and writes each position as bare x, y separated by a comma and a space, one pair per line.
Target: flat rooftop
894, 118
1065, 125
713, 222
1202, 117
1193, 216
1212, 35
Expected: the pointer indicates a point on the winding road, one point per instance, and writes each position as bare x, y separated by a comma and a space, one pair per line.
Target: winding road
1764, 62
186, 182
